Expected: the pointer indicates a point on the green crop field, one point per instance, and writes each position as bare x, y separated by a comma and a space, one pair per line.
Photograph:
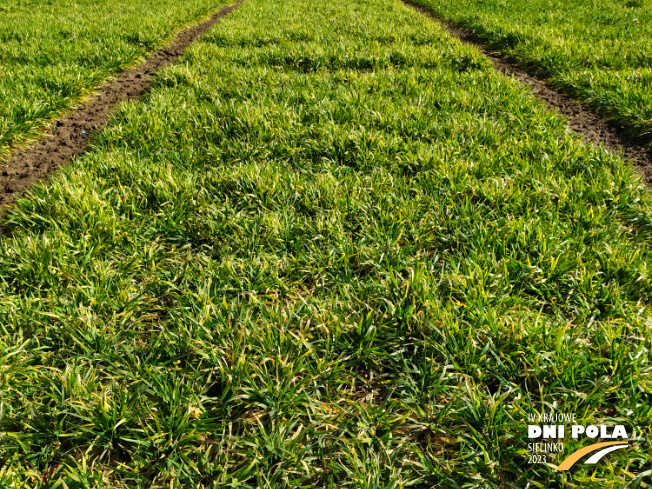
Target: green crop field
599, 51
332, 247
52, 53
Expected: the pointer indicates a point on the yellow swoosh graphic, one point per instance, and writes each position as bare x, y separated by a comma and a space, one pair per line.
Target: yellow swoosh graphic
575, 456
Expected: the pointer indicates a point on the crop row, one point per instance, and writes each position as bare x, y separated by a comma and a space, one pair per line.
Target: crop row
598, 51
332, 247
52, 54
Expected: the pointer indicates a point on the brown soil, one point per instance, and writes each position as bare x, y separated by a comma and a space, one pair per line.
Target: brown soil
581, 119
68, 137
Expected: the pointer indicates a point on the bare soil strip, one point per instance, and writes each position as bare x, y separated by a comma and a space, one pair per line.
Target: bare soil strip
581, 119
68, 137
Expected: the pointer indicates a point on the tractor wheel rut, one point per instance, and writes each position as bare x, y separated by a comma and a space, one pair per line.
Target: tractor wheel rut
581, 119
68, 136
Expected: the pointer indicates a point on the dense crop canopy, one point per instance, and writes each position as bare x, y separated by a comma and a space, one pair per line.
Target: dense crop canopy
331, 248
53, 53
599, 51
